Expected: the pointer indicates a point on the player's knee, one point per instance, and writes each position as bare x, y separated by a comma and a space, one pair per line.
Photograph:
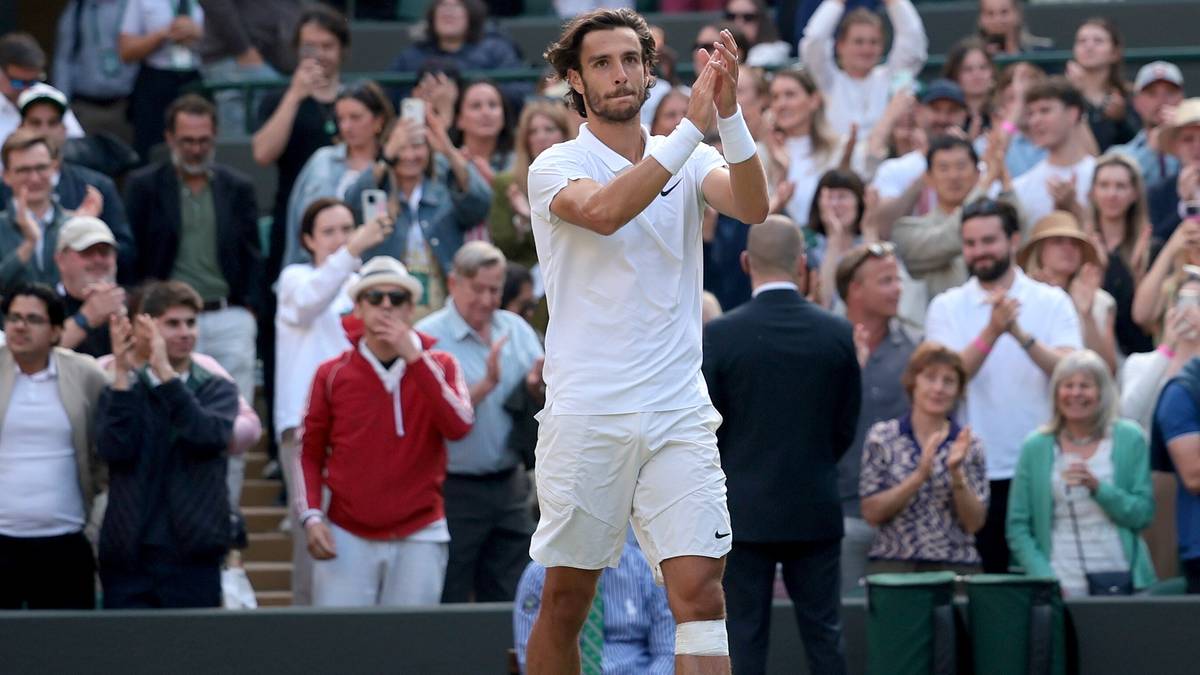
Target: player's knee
566, 606
697, 600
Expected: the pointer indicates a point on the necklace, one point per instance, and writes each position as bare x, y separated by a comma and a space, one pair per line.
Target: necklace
1086, 440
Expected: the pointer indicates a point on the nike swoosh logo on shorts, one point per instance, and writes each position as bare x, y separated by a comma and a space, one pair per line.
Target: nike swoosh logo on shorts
668, 190
718, 535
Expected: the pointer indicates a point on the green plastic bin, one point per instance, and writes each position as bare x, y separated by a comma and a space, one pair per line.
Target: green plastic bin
911, 625
1017, 625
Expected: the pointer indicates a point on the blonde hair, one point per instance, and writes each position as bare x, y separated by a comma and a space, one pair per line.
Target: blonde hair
557, 113
824, 140
1136, 216
1087, 362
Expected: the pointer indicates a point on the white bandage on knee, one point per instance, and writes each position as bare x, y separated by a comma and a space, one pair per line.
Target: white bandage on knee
736, 141
702, 638
673, 153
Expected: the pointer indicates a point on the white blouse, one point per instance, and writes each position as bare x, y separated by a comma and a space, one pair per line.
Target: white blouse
1098, 536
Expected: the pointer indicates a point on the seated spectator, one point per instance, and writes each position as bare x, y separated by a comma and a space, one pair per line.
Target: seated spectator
86, 258
570, 8
1096, 70
942, 110
308, 331
456, 31
482, 128
1118, 217
88, 68
1158, 88
837, 222
1081, 492
924, 478
22, 65
970, 66
756, 21
803, 146
542, 124
363, 115
635, 630
50, 472
161, 36
1174, 266
1022, 154
843, 53
164, 427
868, 279
1058, 253
518, 294
1063, 179
1002, 28
195, 220
1170, 196
435, 196
375, 433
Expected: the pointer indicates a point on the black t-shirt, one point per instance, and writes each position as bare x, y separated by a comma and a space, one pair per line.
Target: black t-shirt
314, 128
97, 343
1118, 281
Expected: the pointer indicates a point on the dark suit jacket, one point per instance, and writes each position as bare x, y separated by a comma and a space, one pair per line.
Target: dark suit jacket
72, 187
783, 374
152, 200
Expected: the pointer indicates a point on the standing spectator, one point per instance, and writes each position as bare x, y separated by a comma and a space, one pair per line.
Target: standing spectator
162, 37
1169, 272
805, 147
364, 114
924, 480
1022, 154
1096, 70
868, 279
195, 221
1158, 88
754, 19
308, 329
1058, 253
1181, 138
837, 221
1081, 493
638, 630
843, 53
22, 65
487, 489
482, 128
942, 111
1010, 331
1118, 216
375, 433
1002, 28
164, 428
88, 68
970, 66
86, 258
49, 473
1063, 179
782, 478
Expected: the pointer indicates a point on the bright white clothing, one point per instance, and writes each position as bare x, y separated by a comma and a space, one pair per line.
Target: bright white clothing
895, 175
848, 100
308, 329
804, 172
1098, 536
143, 17
624, 333
39, 479
406, 572
1141, 380
1008, 398
1033, 195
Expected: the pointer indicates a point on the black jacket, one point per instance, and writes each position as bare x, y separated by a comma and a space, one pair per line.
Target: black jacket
1163, 202
783, 374
166, 451
152, 200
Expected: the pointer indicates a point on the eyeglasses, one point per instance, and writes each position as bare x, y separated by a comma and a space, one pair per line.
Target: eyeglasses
872, 250
26, 171
31, 320
396, 298
741, 16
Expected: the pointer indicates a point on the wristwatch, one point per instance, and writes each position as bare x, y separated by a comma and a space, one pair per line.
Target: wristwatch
1027, 343
81, 321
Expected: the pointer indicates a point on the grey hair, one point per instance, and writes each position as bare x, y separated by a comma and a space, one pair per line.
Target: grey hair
1087, 362
474, 256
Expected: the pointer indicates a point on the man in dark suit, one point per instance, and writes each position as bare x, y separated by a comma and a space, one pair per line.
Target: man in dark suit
783, 374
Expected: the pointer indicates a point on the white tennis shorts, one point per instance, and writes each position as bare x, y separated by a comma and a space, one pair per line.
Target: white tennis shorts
659, 470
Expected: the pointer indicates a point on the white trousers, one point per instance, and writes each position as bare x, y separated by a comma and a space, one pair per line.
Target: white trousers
379, 573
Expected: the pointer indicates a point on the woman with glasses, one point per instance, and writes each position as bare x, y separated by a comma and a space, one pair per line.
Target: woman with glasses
362, 112
753, 18
1081, 492
924, 481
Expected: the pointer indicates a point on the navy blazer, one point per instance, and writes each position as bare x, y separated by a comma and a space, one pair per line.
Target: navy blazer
152, 200
784, 375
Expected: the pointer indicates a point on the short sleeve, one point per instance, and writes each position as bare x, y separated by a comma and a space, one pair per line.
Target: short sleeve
704, 159
938, 327
1176, 413
131, 21
550, 173
876, 456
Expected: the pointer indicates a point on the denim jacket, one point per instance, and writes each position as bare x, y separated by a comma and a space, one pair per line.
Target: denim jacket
319, 178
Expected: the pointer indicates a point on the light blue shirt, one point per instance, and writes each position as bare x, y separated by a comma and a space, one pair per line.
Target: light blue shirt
485, 449
1155, 165
639, 631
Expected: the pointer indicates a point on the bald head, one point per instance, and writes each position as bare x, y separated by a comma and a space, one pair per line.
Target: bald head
774, 246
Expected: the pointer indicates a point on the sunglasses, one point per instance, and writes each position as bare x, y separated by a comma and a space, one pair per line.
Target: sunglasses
741, 16
873, 250
396, 298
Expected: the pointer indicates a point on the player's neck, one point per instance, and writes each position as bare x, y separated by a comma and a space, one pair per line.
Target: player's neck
623, 138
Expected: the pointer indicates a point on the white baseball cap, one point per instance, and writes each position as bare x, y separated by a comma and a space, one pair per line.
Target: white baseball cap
42, 92
1158, 71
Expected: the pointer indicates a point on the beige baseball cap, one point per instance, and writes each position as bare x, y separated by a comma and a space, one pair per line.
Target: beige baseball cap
82, 232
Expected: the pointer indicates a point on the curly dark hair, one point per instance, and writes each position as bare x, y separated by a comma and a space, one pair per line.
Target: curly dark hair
564, 55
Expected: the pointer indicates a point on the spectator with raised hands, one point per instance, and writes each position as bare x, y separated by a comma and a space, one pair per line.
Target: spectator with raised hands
802, 145
1002, 28
1021, 153
1176, 262
483, 128
844, 52
1061, 181
86, 257
1157, 90
940, 110
969, 64
836, 224
1096, 70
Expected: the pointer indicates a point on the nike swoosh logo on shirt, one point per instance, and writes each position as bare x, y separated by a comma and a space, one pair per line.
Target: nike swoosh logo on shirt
668, 190
721, 536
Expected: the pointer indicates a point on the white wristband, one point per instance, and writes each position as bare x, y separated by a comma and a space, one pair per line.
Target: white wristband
736, 140
674, 152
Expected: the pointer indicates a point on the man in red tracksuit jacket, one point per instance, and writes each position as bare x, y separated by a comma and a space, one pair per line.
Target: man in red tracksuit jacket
375, 433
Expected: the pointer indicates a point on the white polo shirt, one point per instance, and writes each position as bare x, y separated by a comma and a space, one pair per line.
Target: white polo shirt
624, 333
1009, 397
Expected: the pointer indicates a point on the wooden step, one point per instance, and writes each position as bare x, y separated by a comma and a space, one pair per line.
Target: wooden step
263, 518
273, 598
269, 576
261, 492
255, 461
269, 547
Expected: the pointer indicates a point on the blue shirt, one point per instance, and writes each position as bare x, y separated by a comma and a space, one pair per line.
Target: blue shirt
1155, 165
639, 631
1177, 416
485, 449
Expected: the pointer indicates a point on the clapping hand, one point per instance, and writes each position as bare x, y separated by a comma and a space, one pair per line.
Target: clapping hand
92, 204
1004, 312
958, 452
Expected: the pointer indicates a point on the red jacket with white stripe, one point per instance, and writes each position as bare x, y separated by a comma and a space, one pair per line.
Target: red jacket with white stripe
384, 486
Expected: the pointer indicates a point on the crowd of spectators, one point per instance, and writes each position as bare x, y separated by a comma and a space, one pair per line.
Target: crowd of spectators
1000, 267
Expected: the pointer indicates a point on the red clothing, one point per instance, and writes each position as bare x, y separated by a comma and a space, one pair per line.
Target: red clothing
383, 486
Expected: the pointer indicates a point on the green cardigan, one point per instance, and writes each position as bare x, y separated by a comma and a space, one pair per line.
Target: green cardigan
1128, 501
